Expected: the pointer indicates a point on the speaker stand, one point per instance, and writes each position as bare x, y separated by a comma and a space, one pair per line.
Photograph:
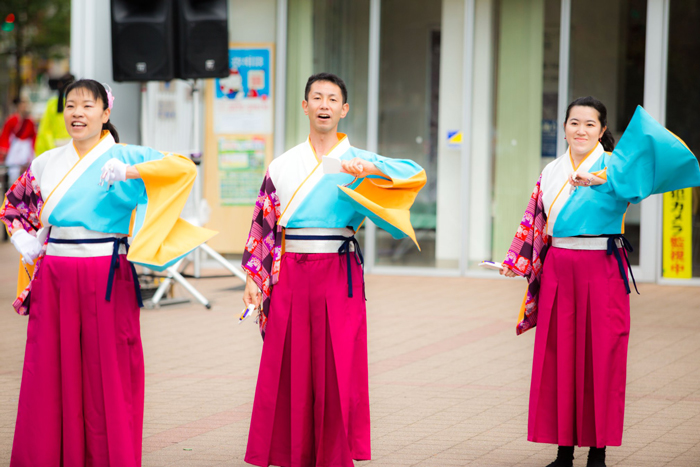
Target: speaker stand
175, 272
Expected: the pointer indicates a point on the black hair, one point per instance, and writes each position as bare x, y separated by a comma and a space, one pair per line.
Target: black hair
607, 140
331, 78
61, 85
98, 91
16, 100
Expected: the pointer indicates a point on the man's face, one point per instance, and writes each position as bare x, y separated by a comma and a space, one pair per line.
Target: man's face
325, 106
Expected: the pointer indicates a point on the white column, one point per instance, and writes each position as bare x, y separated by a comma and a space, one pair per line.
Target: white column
655, 70
466, 156
280, 76
481, 170
375, 12
449, 208
564, 54
77, 32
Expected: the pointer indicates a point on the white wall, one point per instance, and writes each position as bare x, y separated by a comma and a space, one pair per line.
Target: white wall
252, 21
91, 57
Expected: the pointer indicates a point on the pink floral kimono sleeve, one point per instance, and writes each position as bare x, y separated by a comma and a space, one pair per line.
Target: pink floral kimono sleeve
20, 210
22, 204
526, 256
263, 250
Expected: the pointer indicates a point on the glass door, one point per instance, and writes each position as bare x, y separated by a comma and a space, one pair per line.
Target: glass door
340, 46
409, 93
607, 61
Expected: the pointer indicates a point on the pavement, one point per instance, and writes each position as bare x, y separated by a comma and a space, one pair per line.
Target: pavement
449, 378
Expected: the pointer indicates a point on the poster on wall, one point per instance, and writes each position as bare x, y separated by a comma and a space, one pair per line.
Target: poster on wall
241, 169
243, 101
678, 234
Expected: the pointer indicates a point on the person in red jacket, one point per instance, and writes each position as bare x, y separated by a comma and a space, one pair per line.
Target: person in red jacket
17, 139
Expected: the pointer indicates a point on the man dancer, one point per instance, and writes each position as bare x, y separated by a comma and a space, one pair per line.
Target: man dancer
305, 268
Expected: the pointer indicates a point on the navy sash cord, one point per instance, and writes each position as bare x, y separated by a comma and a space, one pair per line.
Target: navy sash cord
114, 265
614, 250
343, 250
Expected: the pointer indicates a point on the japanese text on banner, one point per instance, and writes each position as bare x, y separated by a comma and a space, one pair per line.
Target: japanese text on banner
678, 234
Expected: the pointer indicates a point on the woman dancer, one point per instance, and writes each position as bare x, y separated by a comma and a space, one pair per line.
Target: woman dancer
578, 296
82, 394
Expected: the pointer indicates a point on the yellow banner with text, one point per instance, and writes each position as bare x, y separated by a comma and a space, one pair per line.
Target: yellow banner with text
678, 234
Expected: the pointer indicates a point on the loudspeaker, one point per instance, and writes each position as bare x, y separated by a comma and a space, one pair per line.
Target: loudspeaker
142, 40
202, 39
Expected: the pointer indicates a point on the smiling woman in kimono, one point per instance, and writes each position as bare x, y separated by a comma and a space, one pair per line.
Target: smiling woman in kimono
82, 394
311, 402
578, 297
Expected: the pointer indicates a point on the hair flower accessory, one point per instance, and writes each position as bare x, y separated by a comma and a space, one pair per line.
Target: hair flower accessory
110, 96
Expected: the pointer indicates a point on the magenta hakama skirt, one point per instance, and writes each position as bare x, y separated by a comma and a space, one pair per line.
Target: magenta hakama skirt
577, 395
311, 402
82, 394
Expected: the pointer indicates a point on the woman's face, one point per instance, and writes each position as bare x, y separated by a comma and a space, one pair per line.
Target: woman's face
24, 107
583, 129
84, 115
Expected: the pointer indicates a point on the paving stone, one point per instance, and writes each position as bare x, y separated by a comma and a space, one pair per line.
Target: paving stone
448, 383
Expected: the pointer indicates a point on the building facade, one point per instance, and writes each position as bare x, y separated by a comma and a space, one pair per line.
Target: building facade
475, 91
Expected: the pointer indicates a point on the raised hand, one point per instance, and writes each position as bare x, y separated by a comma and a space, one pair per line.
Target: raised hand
114, 170
359, 167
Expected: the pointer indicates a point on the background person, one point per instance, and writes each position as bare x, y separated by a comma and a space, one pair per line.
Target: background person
17, 139
52, 131
577, 297
69, 215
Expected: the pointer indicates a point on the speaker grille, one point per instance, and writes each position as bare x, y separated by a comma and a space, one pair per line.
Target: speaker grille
161, 39
202, 39
207, 48
142, 40
143, 50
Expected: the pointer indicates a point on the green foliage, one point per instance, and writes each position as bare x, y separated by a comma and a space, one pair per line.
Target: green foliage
41, 26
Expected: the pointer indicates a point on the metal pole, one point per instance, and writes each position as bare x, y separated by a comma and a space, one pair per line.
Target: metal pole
197, 159
564, 54
223, 261
375, 11
196, 156
145, 135
174, 274
466, 153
